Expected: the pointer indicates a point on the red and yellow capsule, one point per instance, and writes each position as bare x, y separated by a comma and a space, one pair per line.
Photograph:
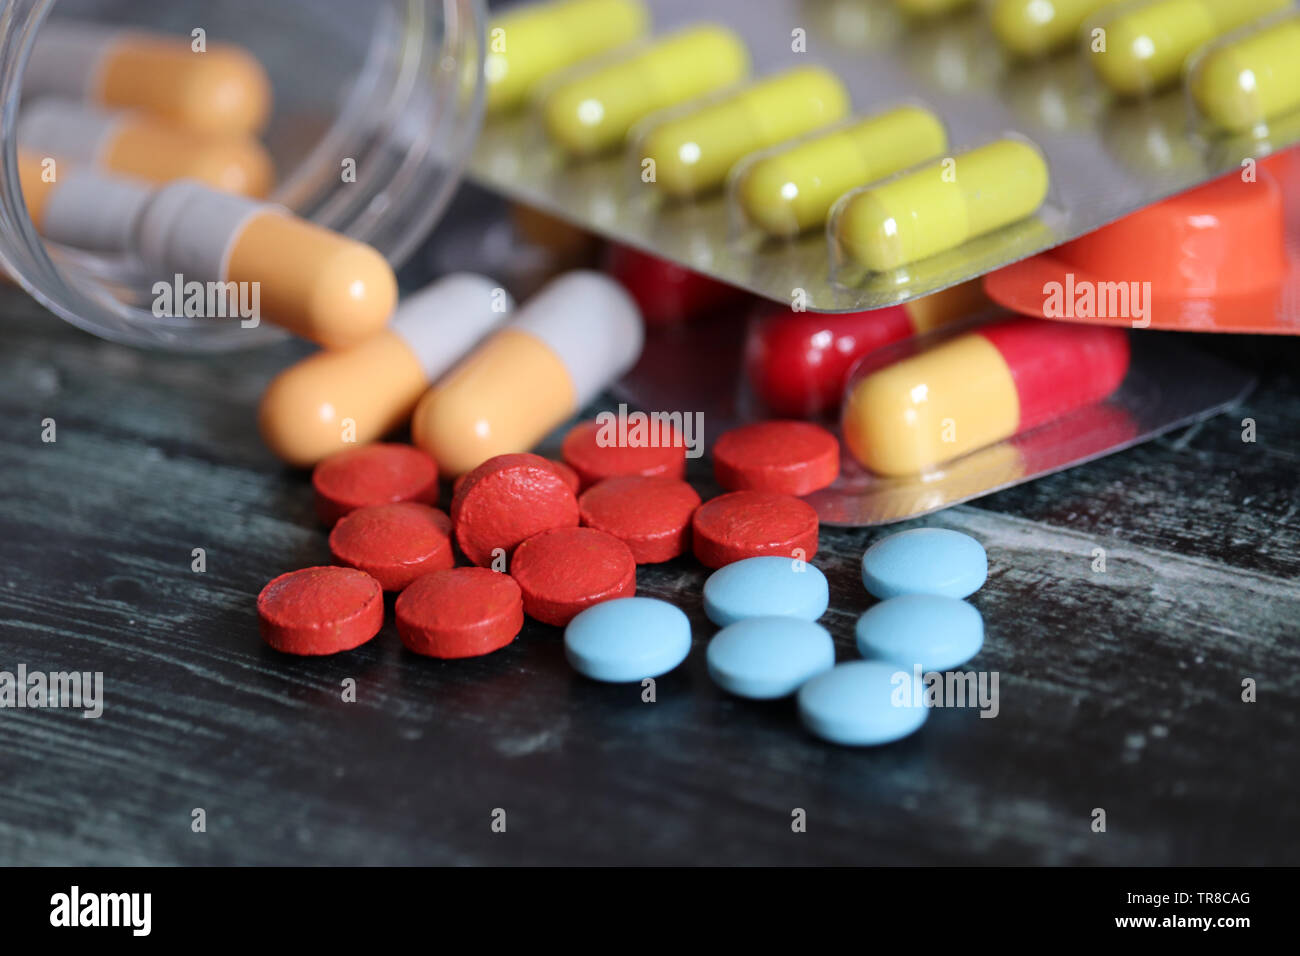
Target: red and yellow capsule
976, 389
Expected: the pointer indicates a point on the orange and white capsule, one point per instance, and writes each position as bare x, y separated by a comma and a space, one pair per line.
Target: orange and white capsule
572, 339
219, 89
333, 398
79, 207
132, 144
314, 282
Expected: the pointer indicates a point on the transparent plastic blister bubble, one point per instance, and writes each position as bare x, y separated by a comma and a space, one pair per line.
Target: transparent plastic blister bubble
528, 44
590, 109
1032, 29
1140, 48
1168, 382
1166, 385
689, 152
1247, 79
938, 217
915, 408
788, 190
1112, 124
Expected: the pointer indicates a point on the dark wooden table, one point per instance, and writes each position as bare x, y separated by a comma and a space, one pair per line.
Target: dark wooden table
1119, 690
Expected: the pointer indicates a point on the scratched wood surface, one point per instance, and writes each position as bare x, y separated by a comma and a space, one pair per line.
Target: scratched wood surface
1119, 690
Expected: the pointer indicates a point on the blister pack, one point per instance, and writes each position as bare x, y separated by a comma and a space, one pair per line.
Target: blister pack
977, 404
1223, 257
856, 154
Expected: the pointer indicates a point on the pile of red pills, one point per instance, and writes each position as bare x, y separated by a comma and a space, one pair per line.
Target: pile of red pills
525, 535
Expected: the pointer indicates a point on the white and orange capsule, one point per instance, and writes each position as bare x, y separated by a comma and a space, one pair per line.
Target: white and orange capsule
79, 207
315, 408
572, 339
217, 89
132, 144
314, 282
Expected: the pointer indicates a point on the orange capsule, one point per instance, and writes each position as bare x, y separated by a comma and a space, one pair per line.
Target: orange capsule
314, 282
132, 144
568, 342
356, 395
217, 88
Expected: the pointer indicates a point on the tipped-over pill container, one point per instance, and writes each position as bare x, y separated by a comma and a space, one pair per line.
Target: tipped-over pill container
366, 110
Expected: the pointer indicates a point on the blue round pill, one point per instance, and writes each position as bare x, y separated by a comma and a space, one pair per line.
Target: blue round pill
764, 587
627, 639
925, 561
925, 630
769, 657
863, 703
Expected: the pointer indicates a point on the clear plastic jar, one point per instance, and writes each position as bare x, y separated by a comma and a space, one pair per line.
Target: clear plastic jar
393, 85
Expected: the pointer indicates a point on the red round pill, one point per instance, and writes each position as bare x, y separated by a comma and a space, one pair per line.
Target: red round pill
320, 610
566, 570
461, 612
748, 524
652, 516
394, 544
792, 458
598, 450
564, 471
376, 474
568, 474
507, 499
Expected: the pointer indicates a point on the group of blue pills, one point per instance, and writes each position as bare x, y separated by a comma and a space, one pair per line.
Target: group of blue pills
770, 645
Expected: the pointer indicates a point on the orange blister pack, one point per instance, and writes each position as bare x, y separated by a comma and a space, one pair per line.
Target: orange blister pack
1223, 257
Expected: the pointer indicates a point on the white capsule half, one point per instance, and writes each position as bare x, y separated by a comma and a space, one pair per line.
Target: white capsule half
79, 207
338, 397
574, 338
316, 283
132, 144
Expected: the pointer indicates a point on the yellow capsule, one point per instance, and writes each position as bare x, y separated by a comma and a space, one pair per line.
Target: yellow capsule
693, 152
593, 112
1035, 27
931, 8
528, 44
1241, 83
791, 190
942, 205
1147, 43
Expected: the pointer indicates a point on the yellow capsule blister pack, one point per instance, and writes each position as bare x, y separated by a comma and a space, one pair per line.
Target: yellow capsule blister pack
861, 153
